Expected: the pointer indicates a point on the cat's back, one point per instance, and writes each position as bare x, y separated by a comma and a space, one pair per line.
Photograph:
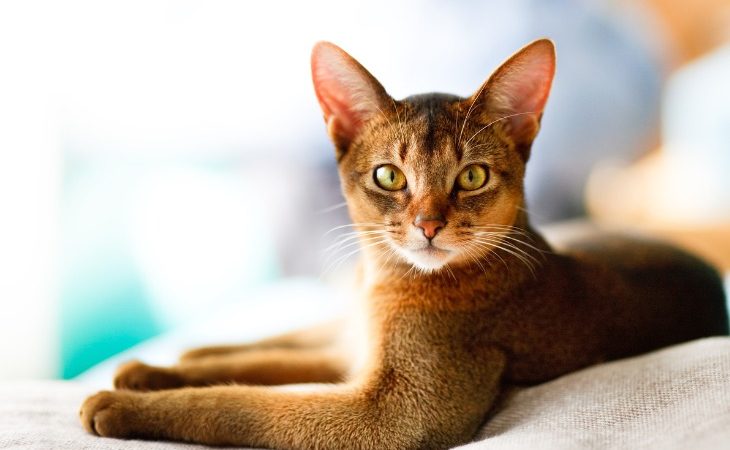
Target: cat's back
662, 294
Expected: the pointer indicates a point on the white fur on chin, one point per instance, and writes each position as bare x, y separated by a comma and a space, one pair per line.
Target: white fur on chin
425, 260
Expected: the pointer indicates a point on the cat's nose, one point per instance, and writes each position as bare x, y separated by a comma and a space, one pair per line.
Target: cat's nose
429, 225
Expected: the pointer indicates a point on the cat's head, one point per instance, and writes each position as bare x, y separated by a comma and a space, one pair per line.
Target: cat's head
434, 179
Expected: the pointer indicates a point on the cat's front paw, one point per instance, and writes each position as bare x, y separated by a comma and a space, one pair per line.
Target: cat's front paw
138, 376
109, 414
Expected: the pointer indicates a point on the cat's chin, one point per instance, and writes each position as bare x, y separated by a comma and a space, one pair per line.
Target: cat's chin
428, 259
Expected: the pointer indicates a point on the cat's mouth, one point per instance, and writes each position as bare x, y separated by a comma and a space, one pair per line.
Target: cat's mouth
431, 249
429, 257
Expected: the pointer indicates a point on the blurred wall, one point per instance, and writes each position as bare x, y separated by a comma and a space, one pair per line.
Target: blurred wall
160, 158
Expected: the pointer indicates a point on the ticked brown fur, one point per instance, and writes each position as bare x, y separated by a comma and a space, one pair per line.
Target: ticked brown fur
451, 316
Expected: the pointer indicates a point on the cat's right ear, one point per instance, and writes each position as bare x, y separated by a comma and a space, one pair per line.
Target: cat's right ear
348, 94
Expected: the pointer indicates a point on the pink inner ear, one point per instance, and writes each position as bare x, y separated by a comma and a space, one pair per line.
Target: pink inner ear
334, 106
347, 93
522, 84
528, 90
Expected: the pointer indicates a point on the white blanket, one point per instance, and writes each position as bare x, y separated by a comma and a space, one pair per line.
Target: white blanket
675, 398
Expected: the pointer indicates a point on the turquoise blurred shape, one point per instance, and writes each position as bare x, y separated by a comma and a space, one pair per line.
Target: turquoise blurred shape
104, 310
150, 247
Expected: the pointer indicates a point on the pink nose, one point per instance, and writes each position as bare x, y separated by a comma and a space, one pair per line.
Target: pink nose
429, 225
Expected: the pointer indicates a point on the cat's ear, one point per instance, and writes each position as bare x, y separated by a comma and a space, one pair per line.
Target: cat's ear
348, 94
517, 91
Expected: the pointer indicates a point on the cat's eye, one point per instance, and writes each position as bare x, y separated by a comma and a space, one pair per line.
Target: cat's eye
390, 177
472, 177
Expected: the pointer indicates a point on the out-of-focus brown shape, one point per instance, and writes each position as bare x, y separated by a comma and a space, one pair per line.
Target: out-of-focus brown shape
634, 197
647, 195
694, 26
711, 242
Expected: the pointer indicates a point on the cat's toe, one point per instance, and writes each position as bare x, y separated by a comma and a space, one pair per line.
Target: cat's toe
137, 376
107, 414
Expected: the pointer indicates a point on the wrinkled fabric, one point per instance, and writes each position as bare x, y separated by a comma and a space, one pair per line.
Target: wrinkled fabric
675, 398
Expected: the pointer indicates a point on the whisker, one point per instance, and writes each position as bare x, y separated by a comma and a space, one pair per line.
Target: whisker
354, 239
408, 271
505, 228
473, 255
351, 236
390, 123
456, 128
517, 253
541, 251
390, 255
354, 243
468, 112
332, 208
534, 215
489, 247
338, 262
495, 121
498, 240
492, 249
520, 250
446, 266
385, 256
496, 225
400, 123
349, 225
503, 232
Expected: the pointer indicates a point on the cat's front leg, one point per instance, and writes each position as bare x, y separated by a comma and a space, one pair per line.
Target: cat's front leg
392, 409
318, 336
259, 367
342, 418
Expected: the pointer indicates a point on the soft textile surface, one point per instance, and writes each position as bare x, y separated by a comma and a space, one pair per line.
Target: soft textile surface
674, 398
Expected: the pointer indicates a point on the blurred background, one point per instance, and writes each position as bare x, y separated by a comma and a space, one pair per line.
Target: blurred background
162, 162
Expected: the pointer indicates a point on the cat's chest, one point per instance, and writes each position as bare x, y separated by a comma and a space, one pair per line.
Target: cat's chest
435, 319
394, 324
435, 300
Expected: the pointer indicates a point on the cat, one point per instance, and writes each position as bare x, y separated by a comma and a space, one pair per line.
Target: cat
462, 298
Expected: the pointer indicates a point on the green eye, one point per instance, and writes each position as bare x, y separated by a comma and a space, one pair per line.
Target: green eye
472, 177
390, 178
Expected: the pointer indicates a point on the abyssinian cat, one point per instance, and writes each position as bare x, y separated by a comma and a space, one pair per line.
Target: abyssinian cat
461, 296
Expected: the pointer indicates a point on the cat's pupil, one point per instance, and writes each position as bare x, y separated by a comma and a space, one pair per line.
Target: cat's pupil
471, 175
392, 176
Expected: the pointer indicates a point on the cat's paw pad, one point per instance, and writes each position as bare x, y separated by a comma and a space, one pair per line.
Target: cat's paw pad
108, 414
138, 376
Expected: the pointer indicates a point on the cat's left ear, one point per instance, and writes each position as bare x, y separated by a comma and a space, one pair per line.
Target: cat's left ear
517, 91
348, 94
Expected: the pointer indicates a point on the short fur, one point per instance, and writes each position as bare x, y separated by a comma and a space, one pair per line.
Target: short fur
450, 321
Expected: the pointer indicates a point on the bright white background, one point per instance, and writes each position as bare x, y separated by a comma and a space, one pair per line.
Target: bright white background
150, 80
142, 83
